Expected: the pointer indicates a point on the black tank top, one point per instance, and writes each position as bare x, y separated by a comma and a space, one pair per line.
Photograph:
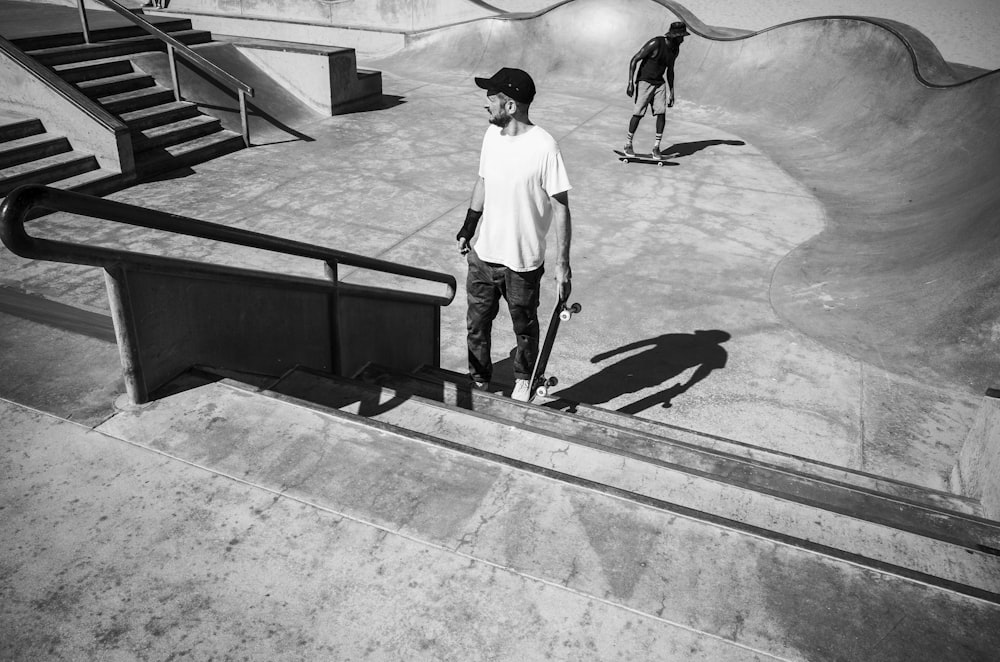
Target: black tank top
652, 68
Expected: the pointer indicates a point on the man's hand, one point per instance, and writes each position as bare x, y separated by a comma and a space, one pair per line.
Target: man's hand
564, 277
630, 90
670, 103
468, 230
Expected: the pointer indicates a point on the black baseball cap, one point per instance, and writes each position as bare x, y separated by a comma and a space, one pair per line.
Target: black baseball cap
514, 83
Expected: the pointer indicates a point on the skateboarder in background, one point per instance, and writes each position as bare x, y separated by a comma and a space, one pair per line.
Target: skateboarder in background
654, 60
521, 191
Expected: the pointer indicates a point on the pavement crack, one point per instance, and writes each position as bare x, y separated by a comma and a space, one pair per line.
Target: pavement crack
499, 503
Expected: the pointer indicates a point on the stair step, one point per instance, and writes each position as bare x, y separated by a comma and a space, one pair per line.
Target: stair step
175, 132
957, 528
133, 100
187, 153
659, 484
145, 118
101, 34
106, 49
30, 148
93, 182
46, 170
102, 87
704, 577
916, 494
78, 72
13, 127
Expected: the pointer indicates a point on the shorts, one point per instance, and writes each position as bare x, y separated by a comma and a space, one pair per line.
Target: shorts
645, 94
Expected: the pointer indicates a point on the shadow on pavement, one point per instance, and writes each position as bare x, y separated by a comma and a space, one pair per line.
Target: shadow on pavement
687, 149
661, 359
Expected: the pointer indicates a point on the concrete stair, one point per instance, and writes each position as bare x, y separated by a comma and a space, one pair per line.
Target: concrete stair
711, 537
103, 71
909, 539
30, 155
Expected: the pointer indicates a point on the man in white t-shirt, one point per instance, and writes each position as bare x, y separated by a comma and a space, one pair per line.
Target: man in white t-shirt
521, 192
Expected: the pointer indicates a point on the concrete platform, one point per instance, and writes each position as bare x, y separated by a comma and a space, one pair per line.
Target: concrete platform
742, 236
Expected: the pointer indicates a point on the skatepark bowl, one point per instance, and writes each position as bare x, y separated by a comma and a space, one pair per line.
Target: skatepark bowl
813, 274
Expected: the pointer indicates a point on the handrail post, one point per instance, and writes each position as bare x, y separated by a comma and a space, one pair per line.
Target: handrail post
172, 57
331, 271
83, 21
331, 274
128, 348
246, 124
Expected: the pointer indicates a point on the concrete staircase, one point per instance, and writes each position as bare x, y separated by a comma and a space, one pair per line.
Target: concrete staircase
775, 553
167, 134
30, 155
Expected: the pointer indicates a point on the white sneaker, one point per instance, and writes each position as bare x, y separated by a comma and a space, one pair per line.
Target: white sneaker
522, 390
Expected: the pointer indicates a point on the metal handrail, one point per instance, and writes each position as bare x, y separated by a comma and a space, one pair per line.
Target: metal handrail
20, 203
173, 48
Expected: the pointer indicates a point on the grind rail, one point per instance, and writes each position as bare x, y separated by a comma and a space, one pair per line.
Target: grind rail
171, 314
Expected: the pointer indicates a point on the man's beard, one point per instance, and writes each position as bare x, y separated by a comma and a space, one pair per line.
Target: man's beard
501, 120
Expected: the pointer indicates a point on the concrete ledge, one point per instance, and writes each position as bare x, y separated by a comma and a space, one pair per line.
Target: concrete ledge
977, 473
369, 41
326, 78
404, 15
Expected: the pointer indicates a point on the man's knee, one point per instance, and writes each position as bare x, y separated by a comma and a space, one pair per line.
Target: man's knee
525, 321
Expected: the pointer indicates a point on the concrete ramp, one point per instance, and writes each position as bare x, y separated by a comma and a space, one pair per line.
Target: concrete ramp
900, 147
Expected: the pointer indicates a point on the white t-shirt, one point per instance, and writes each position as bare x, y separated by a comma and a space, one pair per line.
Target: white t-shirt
520, 172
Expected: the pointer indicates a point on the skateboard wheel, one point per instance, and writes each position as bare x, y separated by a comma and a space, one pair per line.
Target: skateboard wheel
660, 164
551, 381
542, 391
569, 311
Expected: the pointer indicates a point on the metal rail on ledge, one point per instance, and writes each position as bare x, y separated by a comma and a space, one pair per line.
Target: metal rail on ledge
20, 203
175, 47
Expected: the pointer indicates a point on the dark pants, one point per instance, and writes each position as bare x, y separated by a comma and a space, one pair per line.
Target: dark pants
485, 285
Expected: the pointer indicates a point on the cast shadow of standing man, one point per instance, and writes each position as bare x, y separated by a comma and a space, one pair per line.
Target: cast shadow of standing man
663, 358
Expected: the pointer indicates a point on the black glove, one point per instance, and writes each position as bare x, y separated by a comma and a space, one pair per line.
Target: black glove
468, 230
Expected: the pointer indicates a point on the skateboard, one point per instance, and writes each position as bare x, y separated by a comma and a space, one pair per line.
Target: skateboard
641, 158
560, 313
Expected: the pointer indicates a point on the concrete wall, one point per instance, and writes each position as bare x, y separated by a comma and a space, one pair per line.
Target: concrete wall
977, 473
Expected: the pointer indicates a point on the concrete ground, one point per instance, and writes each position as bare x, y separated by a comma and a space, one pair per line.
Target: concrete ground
659, 254
675, 267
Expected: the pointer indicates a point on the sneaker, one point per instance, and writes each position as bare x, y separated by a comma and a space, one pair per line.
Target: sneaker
522, 390
627, 150
656, 153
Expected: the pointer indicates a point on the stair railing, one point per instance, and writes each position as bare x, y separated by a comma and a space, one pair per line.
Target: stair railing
175, 47
171, 313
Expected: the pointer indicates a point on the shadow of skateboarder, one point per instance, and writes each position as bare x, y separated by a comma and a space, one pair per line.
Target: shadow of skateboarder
680, 150
661, 359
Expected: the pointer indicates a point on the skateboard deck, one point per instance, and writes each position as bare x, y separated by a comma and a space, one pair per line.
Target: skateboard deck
540, 383
642, 158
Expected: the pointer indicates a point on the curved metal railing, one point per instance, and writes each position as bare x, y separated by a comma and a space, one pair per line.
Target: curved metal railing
171, 313
23, 201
